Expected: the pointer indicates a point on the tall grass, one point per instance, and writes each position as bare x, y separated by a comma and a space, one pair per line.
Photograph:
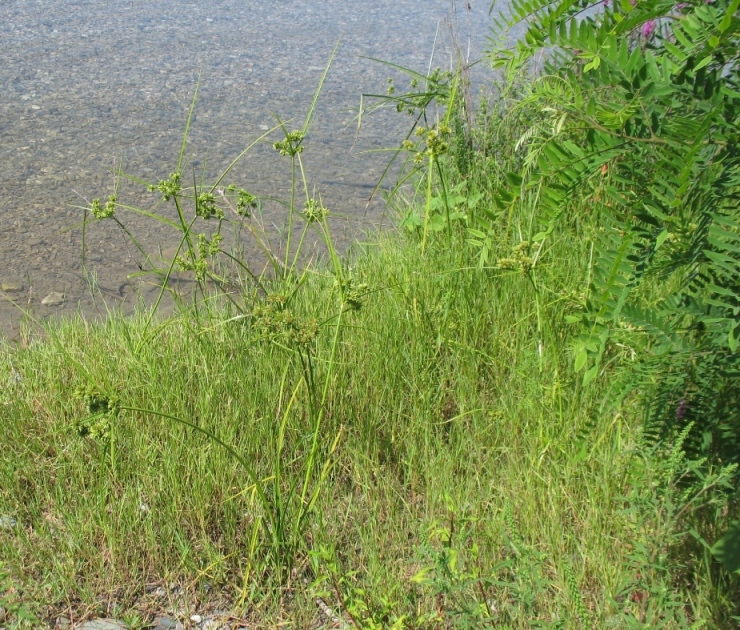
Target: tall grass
447, 414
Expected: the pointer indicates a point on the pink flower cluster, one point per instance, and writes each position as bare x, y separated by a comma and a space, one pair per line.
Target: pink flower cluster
648, 29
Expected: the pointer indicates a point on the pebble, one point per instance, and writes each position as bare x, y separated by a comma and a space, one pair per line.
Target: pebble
103, 624
11, 287
63, 622
165, 623
196, 618
53, 299
7, 522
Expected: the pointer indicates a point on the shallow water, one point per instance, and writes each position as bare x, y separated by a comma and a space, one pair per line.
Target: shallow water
87, 85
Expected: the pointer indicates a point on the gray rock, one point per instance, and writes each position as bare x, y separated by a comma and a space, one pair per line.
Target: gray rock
11, 287
63, 622
7, 522
164, 623
53, 299
103, 624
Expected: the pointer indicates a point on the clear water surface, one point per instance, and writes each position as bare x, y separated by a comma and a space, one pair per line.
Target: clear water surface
88, 84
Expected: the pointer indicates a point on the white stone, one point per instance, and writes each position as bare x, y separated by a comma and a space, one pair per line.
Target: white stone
53, 299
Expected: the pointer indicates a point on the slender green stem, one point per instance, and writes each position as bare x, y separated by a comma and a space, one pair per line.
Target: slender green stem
291, 212
428, 205
319, 416
163, 288
445, 199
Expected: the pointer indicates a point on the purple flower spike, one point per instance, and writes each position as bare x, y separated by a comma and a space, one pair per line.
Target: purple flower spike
648, 29
681, 409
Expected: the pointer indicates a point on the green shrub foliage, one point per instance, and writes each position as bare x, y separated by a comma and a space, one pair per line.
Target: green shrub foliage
643, 112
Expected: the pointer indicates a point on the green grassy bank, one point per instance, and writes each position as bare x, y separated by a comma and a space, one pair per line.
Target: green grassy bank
469, 478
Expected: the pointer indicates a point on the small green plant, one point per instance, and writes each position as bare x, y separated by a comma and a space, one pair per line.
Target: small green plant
459, 586
17, 614
364, 611
469, 592
665, 491
99, 423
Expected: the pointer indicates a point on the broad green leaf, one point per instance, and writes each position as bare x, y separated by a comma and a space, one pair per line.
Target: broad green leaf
590, 374
437, 223
727, 19
581, 358
423, 577
514, 179
661, 239
703, 63
593, 64
727, 548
